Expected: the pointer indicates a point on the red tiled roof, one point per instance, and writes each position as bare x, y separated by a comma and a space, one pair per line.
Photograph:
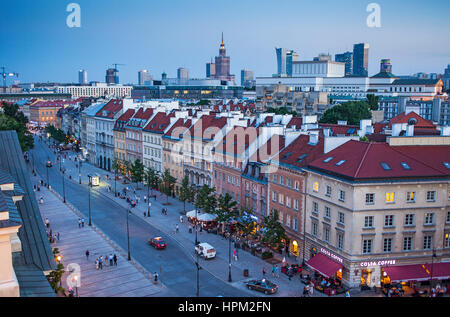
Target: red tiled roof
159, 122
207, 126
295, 121
339, 129
300, 152
361, 160
404, 118
179, 127
124, 118
112, 107
274, 145
237, 140
141, 116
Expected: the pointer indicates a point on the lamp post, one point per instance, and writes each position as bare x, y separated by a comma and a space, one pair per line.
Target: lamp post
48, 186
148, 210
64, 187
79, 171
198, 275
89, 185
431, 271
128, 236
115, 187
229, 259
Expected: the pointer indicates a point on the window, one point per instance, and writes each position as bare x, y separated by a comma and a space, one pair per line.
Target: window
296, 204
274, 196
340, 240
341, 218
315, 208
289, 182
288, 202
328, 192
327, 212
370, 199
296, 185
275, 178
429, 218
326, 233
409, 220
295, 224
389, 220
281, 180
427, 242
387, 245
407, 243
341, 195
410, 197
314, 228
367, 246
368, 222
447, 240
316, 187
390, 198
431, 196
447, 220
281, 199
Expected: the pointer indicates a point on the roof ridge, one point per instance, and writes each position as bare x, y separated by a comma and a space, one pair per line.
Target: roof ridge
362, 160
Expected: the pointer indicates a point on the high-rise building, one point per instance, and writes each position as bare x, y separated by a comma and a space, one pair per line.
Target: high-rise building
322, 57
281, 60
247, 78
210, 70
291, 57
144, 78
82, 77
222, 65
346, 58
446, 78
361, 59
385, 66
182, 73
112, 76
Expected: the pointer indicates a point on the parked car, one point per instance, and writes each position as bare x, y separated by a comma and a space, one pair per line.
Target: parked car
205, 250
49, 164
264, 286
157, 243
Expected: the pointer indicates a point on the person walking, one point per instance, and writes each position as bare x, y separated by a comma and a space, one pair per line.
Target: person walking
277, 271
264, 272
181, 219
111, 260
97, 264
82, 222
47, 222
145, 198
273, 270
155, 278
79, 223
100, 263
106, 260
41, 200
57, 236
87, 255
115, 259
176, 228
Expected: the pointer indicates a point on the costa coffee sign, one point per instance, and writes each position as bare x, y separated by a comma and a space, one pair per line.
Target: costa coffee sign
377, 263
331, 255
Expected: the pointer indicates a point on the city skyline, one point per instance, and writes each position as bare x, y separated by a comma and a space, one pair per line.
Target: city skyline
192, 34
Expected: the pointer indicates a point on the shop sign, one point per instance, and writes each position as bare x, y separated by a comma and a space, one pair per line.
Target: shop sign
331, 255
377, 263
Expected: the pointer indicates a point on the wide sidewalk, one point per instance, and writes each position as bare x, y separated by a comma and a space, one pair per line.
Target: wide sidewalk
166, 224
126, 279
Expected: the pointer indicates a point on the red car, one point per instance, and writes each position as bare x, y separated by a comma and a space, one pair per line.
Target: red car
157, 243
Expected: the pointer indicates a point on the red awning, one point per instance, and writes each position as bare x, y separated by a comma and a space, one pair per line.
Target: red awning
324, 265
405, 273
441, 271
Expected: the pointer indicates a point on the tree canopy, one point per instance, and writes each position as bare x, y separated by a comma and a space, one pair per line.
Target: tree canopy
274, 232
352, 112
13, 119
281, 110
372, 100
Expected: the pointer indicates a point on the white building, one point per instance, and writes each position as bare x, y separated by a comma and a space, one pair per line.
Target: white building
96, 90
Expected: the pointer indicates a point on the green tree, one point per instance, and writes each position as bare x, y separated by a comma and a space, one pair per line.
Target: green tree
186, 192
26, 140
372, 100
151, 178
14, 112
245, 223
206, 199
274, 232
226, 209
54, 277
137, 172
352, 112
167, 183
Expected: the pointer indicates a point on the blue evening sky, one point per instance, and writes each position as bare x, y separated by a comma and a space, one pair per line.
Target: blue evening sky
162, 35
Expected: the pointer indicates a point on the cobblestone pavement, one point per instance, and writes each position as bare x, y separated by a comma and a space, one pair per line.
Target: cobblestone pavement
125, 279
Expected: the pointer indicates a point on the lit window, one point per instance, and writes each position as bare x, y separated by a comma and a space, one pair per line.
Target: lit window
410, 197
316, 187
390, 198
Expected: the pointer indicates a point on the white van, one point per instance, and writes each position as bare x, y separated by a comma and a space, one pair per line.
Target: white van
205, 250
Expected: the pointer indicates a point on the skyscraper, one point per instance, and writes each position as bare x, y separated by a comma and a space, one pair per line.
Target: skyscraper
210, 70
247, 78
112, 76
361, 59
291, 57
82, 77
346, 58
144, 78
222, 65
182, 73
385, 66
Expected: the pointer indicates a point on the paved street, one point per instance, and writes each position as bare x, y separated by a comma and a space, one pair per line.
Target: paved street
122, 280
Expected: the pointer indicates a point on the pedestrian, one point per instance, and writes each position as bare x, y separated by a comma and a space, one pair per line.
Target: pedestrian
115, 259
155, 277
79, 223
111, 260
235, 255
97, 264
106, 260
311, 289
87, 255
100, 262
273, 270
82, 222
181, 219
57, 236
264, 272
277, 271
145, 198
47, 222
41, 200
176, 228
38, 188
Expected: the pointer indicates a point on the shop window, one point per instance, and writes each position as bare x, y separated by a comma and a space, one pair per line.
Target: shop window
410, 197
294, 248
447, 220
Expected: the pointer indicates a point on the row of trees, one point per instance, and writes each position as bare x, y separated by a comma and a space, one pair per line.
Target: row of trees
56, 134
13, 119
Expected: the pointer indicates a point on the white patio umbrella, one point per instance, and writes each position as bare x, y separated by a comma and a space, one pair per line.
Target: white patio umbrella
207, 217
191, 214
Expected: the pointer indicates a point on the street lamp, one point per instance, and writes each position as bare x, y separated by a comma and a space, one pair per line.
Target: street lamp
148, 210
64, 187
128, 236
48, 186
431, 271
229, 258
79, 170
89, 185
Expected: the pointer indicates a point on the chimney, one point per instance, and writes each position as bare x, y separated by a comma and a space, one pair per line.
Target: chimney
445, 131
409, 130
313, 138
